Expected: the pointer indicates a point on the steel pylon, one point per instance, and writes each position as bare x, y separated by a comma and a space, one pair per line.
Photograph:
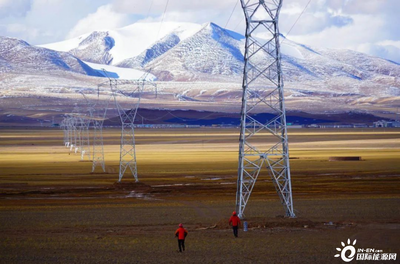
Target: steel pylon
128, 89
98, 147
263, 140
68, 125
85, 120
71, 123
85, 138
64, 127
98, 112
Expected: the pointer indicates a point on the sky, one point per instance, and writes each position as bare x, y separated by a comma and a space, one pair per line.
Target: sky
369, 26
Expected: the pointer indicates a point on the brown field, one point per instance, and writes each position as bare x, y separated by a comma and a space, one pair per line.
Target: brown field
54, 210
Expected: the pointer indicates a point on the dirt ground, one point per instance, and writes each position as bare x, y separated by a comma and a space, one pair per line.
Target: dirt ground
54, 210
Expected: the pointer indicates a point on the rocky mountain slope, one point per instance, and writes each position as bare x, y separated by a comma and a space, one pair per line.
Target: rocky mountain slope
95, 48
20, 57
208, 54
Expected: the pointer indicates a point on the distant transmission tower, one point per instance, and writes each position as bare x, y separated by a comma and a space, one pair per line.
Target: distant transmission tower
72, 132
68, 127
132, 89
85, 121
64, 127
83, 128
77, 128
99, 114
98, 145
263, 91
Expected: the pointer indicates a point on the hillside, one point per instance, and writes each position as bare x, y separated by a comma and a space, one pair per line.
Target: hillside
18, 56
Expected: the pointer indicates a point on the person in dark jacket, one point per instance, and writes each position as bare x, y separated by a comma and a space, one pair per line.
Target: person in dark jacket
235, 222
181, 234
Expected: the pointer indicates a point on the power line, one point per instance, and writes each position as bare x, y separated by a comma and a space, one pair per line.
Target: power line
297, 20
162, 18
295, 24
240, 21
153, 119
233, 10
148, 12
180, 118
192, 120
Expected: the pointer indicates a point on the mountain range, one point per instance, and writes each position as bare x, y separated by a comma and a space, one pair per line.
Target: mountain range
205, 57
188, 51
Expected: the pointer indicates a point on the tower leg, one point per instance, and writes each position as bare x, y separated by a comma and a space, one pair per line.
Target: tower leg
127, 151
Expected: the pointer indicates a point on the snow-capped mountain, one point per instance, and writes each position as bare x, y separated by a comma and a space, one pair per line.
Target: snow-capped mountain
186, 51
115, 46
156, 50
198, 65
300, 61
18, 56
180, 51
208, 54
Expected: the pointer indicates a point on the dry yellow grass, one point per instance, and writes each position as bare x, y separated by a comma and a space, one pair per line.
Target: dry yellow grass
203, 151
53, 209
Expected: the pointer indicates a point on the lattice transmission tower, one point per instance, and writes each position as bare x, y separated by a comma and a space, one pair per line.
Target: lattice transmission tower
76, 127
130, 90
99, 110
70, 124
67, 130
73, 126
263, 142
85, 119
64, 127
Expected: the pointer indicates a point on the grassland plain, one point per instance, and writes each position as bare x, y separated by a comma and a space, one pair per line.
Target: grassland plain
53, 209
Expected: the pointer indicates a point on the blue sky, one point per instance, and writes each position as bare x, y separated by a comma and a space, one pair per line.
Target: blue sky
370, 26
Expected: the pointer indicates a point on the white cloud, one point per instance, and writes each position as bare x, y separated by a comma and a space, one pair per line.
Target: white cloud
389, 52
10, 8
16, 28
344, 37
196, 11
361, 25
22, 29
158, 6
43, 21
103, 18
292, 9
390, 43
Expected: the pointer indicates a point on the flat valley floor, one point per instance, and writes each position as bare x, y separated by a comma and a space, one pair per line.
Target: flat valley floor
53, 209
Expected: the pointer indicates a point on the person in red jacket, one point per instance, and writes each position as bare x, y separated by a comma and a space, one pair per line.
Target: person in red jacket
235, 222
181, 234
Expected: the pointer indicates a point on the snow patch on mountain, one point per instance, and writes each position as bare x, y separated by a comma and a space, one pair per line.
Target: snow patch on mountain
129, 41
159, 48
65, 45
120, 73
